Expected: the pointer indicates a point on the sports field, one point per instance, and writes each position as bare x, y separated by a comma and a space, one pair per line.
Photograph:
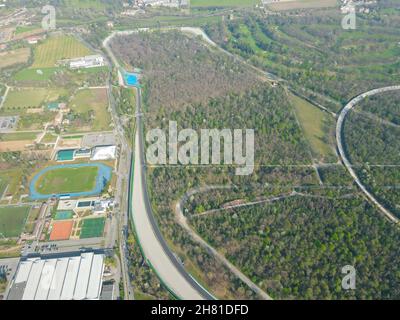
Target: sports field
61, 230
92, 228
64, 215
58, 48
67, 180
12, 221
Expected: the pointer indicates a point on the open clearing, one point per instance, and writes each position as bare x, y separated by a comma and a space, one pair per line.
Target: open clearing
14, 57
224, 3
58, 48
13, 146
93, 101
302, 4
12, 221
18, 136
312, 120
67, 180
31, 97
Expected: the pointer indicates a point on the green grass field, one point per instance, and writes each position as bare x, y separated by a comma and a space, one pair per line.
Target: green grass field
22, 98
92, 228
67, 180
49, 138
23, 29
3, 185
95, 100
58, 48
87, 4
17, 136
312, 121
12, 221
37, 74
302, 4
223, 3
64, 215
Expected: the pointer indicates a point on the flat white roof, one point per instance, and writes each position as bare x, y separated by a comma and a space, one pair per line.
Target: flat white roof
70, 278
45, 280
66, 278
23, 271
33, 280
83, 277
96, 274
57, 282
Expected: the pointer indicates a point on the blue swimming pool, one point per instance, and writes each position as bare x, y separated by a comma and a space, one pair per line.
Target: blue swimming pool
131, 79
103, 177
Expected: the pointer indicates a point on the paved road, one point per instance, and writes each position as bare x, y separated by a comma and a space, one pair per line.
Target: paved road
339, 139
182, 220
154, 247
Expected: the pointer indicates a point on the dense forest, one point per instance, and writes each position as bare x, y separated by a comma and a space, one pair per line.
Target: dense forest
179, 70
372, 136
296, 248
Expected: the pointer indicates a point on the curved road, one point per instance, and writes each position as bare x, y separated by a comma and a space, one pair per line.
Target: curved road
153, 245
339, 139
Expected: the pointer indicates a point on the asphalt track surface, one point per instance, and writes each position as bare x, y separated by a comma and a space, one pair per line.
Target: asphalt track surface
339, 139
155, 249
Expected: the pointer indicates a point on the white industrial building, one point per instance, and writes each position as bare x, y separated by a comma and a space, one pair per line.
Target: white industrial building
67, 278
104, 153
87, 62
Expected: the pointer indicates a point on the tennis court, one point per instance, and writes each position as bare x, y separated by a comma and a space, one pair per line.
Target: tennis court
92, 228
64, 215
61, 230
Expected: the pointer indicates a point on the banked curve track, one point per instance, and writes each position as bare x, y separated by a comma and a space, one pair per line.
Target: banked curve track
339, 140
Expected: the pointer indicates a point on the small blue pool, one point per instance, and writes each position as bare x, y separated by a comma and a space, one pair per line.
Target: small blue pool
131, 79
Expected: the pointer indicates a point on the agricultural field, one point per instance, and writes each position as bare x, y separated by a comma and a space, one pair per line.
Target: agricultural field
90, 110
29, 74
14, 57
18, 136
284, 5
12, 221
87, 4
67, 180
223, 3
3, 185
57, 48
25, 98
